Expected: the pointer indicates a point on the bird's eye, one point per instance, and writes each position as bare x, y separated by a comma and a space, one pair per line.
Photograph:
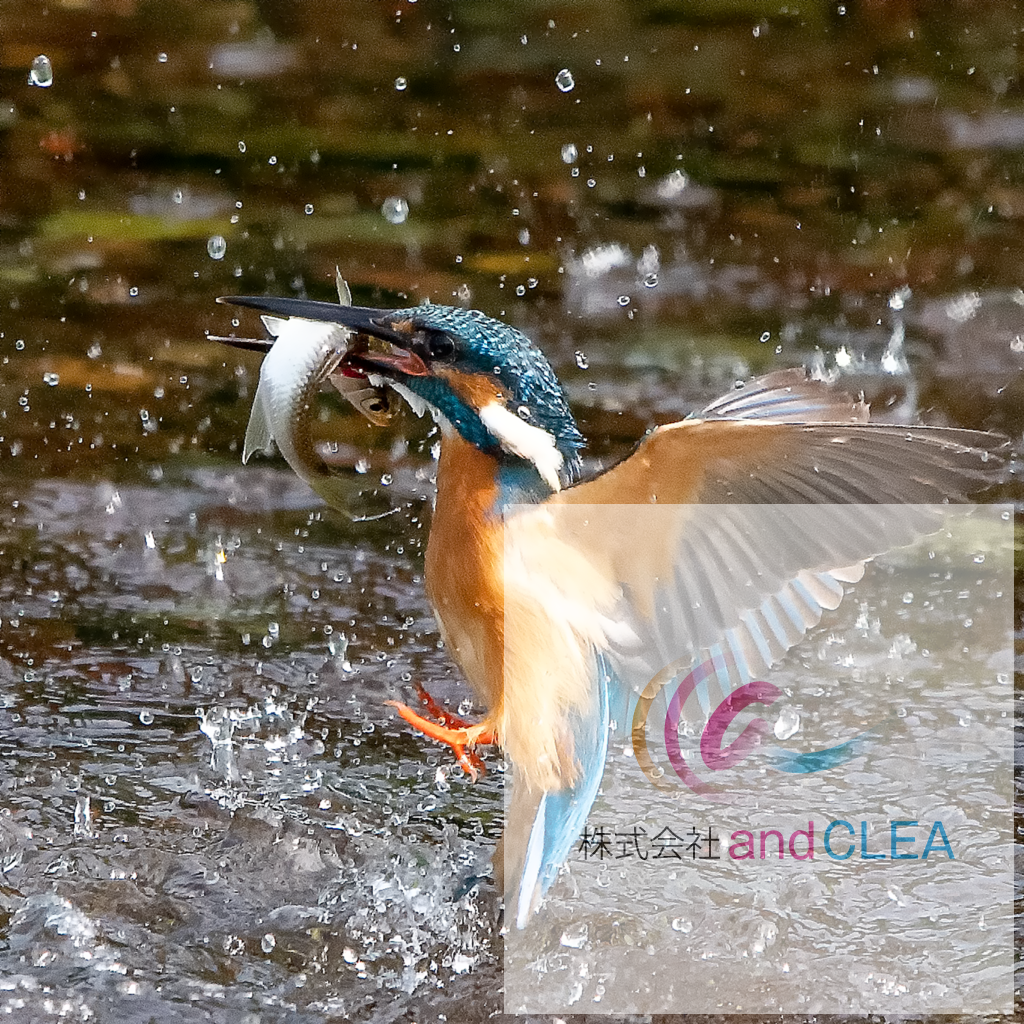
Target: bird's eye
440, 345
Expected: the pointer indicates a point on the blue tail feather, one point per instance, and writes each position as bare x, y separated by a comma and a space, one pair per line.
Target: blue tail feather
561, 814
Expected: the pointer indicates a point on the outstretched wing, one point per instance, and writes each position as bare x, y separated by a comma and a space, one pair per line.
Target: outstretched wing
728, 535
752, 525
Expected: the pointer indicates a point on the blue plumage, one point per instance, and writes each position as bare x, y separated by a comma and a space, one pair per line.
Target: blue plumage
562, 813
488, 346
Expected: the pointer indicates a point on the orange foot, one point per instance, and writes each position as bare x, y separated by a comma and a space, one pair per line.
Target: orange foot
450, 730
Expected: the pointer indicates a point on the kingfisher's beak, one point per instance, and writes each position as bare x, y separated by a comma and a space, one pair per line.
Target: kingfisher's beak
371, 328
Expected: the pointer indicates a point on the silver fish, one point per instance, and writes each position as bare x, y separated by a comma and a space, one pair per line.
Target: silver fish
304, 354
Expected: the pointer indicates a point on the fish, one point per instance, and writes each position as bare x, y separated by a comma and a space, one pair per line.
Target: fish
373, 402
303, 355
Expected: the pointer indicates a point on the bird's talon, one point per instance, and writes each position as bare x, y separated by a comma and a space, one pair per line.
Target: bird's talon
458, 739
442, 715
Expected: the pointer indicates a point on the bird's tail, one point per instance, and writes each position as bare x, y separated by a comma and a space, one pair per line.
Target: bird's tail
542, 826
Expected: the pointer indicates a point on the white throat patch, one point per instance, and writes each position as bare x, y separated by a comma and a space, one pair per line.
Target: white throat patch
532, 443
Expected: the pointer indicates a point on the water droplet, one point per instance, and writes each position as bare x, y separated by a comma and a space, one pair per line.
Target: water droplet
308, 209
898, 299
520, 289
672, 184
216, 247
581, 360
241, 146
53, 379
41, 73
565, 81
764, 337
569, 153
574, 937
651, 281
177, 196
83, 816
162, 57
133, 292
787, 724
146, 717
268, 942
386, 479
401, 84
623, 300
395, 210
682, 924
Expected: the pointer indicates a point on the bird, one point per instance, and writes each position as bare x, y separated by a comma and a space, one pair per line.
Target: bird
725, 535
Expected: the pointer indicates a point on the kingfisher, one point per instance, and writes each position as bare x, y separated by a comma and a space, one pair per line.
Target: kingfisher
553, 592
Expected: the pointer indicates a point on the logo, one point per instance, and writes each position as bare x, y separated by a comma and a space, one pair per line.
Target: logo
697, 686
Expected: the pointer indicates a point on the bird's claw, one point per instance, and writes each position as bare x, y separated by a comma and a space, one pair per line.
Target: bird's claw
449, 729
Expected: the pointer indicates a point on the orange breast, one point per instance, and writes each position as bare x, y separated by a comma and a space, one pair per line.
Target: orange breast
464, 568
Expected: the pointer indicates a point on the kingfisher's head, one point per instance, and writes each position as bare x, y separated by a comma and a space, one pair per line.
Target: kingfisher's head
477, 376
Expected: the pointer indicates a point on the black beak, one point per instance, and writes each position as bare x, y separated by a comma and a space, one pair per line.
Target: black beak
356, 318
360, 319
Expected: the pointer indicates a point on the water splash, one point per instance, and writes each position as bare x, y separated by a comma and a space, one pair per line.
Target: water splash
41, 72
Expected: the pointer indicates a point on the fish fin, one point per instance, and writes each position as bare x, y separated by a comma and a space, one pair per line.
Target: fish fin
558, 814
344, 292
258, 435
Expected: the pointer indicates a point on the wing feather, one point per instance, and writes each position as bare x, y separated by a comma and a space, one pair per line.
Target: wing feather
727, 536
760, 521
